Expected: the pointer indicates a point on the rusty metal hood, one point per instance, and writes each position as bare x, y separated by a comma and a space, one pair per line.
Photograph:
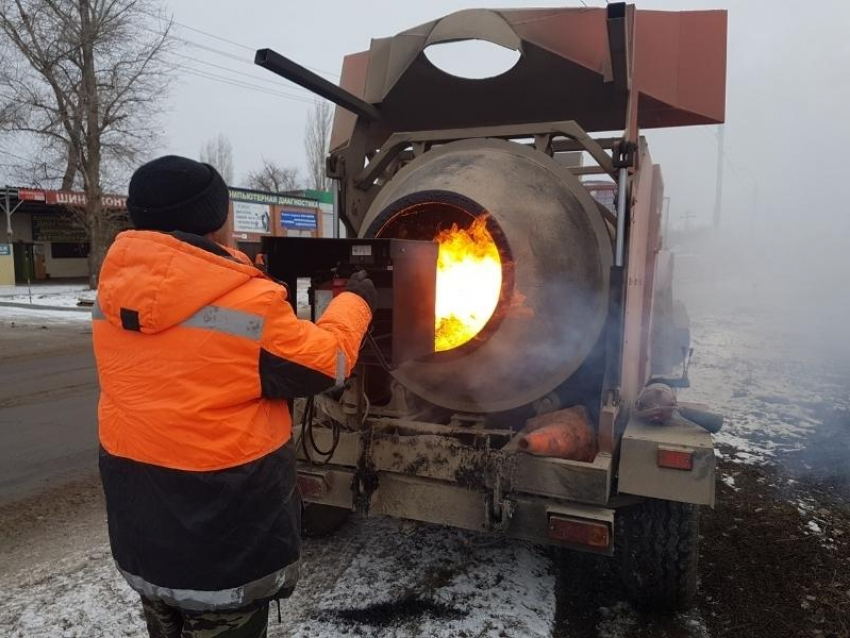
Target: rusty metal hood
569, 69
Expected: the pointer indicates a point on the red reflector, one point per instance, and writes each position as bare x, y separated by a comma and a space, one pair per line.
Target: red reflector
311, 485
579, 532
675, 459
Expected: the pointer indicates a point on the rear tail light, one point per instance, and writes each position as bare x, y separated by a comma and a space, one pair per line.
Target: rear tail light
675, 459
577, 531
312, 485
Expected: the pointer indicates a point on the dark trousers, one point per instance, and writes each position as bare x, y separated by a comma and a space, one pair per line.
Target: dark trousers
164, 621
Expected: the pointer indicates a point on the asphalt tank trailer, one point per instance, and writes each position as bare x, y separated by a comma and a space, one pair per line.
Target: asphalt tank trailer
521, 375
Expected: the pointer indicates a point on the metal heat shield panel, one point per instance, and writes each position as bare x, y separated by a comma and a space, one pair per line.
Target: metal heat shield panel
404, 271
414, 298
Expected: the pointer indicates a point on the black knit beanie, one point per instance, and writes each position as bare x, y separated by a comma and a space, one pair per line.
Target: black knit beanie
175, 193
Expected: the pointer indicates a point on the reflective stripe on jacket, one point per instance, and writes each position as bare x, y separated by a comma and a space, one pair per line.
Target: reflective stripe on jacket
196, 351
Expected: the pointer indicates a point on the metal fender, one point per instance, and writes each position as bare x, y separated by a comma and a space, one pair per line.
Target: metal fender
674, 461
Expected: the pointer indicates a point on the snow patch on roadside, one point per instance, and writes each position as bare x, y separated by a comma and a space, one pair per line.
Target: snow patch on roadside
370, 579
622, 621
63, 295
432, 581
82, 597
762, 383
35, 316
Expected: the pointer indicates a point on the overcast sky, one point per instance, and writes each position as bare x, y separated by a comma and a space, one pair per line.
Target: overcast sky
788, 91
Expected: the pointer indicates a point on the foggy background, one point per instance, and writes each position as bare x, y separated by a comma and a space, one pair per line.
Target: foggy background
782, 247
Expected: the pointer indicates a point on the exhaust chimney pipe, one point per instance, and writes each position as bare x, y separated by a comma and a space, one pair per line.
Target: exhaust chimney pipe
294, 72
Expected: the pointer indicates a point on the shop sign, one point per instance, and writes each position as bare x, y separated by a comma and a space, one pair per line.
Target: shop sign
251, 218
5, 250
58, 228
298, 221
78, 199
31, 195
238, 195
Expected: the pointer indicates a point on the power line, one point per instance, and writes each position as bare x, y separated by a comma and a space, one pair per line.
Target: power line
241, 84
241, 74
225, 40
232, 57
10, 154
246, 47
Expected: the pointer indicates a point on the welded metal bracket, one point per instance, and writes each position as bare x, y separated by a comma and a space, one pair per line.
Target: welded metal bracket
543, 133
498, 514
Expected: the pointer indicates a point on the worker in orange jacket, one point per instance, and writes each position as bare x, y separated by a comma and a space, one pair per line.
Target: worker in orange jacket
197, 353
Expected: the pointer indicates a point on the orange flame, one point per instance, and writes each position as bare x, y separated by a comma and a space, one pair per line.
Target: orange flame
469, 281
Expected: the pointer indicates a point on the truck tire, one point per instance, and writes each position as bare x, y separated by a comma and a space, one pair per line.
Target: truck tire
658, 551
320, 520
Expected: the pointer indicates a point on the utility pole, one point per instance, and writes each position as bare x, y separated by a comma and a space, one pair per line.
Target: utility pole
9, 211
688, 216
718, 192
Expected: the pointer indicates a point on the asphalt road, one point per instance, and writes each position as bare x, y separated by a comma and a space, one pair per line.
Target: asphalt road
48, 407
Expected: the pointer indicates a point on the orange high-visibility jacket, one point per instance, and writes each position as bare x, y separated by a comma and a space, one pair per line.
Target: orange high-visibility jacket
197, 352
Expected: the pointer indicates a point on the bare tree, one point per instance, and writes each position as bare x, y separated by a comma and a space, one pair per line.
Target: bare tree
86, 80
317, 139
273, 178
218, 152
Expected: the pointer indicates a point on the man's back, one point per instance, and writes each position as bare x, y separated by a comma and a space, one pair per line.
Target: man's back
197, 354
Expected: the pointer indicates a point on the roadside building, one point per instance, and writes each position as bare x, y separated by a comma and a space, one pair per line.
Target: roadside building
43, 233
325, 202
255, 214
43, 236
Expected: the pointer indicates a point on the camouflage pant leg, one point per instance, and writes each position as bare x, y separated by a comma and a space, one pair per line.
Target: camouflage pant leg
164, 621
237, 624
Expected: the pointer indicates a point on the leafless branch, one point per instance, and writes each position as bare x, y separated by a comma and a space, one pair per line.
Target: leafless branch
317, 135
85, 79
218, 152
273, 178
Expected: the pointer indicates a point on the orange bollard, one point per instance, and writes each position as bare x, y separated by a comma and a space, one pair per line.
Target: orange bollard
565, 434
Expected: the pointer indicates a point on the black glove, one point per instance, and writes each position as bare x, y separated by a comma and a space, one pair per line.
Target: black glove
360, 284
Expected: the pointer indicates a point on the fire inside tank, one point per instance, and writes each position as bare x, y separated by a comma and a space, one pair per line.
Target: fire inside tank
469, 282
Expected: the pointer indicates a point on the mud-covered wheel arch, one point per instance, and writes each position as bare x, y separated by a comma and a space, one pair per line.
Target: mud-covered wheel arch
657, 546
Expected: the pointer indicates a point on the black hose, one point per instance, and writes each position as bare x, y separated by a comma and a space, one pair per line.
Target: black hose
307, 440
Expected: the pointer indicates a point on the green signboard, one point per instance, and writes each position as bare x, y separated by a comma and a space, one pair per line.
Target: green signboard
239, 195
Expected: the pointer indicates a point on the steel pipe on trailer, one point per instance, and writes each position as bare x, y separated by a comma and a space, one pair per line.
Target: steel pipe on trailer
622, 191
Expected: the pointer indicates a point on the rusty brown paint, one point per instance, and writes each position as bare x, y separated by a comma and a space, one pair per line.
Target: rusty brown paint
678, 72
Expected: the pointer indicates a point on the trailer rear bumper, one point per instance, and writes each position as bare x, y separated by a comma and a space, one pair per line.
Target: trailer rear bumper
418, 473
542, 520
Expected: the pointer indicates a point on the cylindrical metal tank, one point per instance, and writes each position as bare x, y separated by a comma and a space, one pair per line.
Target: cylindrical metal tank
555, 253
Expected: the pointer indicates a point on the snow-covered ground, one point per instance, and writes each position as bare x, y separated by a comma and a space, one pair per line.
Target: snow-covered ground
770, 385
383, 578
374, 578
43, 309
41, 316
58, 295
